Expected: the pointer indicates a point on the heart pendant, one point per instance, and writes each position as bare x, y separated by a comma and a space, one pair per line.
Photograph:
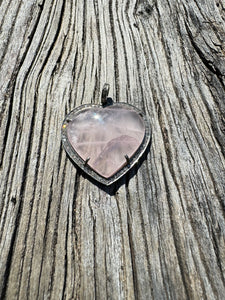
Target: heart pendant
105, 140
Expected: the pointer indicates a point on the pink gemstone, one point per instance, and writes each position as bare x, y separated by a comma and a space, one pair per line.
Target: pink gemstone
106, 135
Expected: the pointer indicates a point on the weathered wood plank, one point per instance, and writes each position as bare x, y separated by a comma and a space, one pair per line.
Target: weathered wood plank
159, 232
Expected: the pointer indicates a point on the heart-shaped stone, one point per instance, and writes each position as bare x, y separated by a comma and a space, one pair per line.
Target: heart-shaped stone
105, 141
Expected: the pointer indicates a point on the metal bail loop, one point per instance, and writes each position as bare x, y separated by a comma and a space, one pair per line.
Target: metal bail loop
105, 92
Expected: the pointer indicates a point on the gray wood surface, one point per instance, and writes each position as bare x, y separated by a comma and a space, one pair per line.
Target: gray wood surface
159, 232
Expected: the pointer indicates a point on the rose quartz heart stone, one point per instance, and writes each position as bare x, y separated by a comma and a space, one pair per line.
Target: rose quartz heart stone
106, 135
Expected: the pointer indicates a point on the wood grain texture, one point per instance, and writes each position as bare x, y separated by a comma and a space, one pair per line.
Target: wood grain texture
159, 232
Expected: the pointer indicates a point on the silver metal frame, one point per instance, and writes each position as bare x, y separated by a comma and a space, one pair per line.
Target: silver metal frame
131, 161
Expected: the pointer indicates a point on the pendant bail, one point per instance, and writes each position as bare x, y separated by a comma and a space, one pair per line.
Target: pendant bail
105, 92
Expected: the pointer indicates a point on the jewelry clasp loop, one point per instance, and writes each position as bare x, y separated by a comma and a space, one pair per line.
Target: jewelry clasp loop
105, 92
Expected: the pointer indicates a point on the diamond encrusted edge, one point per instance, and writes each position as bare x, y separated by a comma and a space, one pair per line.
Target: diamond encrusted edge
81, 163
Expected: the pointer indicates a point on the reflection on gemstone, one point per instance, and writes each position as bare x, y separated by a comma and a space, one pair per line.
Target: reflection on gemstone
97, 116
106, 135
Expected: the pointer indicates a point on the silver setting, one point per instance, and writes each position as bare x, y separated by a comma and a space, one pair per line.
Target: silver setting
86, 161
129, 161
